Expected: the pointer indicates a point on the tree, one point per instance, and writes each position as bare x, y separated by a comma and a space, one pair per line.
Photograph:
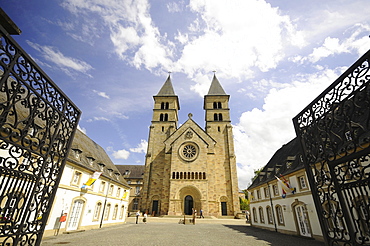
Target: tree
244, 204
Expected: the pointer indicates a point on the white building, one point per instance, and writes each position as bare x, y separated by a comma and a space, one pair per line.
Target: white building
293, 212
104, 203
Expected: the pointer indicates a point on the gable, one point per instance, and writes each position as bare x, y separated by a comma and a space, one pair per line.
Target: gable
190, 130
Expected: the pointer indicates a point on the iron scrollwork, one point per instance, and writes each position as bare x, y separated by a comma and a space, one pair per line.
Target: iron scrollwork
37, 125
334, 132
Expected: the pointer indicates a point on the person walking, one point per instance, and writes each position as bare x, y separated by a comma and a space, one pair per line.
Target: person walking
201, 214
145, 218
137, 216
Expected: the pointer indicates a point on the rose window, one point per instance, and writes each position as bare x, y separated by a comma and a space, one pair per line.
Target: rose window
189, 151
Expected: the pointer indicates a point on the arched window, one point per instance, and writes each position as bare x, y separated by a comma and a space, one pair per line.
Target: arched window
192, 175
173, 175
220, 117
184, 175
122, 212
196, 175
107, 211
255, 215
165, 117
219, 129
189, 175
204, 175
269, 215
115, 212
180, 175
262, 218
161, 117
279, 213
97, 211
217, 105
165, 105
215, 117
177, 175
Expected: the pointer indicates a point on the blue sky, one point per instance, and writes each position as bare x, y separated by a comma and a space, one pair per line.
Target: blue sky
272, 57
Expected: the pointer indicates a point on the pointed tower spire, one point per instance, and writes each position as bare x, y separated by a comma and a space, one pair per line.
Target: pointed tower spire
167, 88
216, 88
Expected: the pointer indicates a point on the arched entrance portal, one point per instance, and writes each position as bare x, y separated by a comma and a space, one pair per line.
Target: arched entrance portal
187, 198
188, 205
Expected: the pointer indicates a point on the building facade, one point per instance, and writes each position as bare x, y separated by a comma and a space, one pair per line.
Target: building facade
92, 193
189, 168
280, 196
133, 174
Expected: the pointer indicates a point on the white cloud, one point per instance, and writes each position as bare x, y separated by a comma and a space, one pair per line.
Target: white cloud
261, 132
141, 148
67, 64
357, 41
132, 32
101, 93
97, 119
235, 39
175, 7
322, 20
112, 109
331, 46
121, 154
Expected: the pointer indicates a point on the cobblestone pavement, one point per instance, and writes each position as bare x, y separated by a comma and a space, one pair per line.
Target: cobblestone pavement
168, 232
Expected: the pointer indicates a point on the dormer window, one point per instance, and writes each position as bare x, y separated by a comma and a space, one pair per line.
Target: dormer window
77, 153
101, 166
289, 164
90, 160
127, 172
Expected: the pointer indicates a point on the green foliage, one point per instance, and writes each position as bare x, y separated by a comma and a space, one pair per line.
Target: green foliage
256, 172
245, 194
244, 204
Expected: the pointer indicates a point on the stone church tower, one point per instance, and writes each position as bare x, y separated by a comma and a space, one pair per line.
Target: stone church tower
189, 167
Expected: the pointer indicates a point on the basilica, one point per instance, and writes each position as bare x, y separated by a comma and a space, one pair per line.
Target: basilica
189, 168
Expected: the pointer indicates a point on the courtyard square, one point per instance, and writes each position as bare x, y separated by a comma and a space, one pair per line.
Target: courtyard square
168, 232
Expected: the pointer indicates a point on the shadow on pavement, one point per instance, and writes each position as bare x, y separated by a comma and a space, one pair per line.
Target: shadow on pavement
275, 238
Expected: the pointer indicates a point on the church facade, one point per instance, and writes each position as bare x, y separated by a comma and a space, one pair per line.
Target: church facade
190, 168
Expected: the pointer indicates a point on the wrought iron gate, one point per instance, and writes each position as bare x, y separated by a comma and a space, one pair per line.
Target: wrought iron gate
334, 132
37, 125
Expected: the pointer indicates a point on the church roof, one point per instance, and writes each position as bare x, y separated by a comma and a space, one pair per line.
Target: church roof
167, 88
216, 88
